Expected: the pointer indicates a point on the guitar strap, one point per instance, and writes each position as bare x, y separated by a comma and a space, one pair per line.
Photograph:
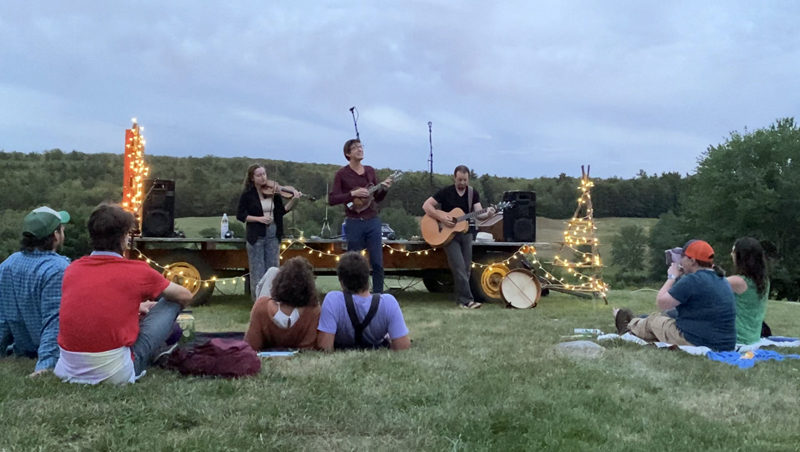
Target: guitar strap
470, 205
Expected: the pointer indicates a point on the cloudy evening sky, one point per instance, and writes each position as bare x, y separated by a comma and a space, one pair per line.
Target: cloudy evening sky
513, 88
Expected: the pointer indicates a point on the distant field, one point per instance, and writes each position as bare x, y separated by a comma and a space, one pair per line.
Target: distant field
547, 229
550, 230
191, 226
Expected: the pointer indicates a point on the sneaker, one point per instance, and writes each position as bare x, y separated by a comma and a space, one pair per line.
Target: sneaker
474, 305
621, 320
163, 353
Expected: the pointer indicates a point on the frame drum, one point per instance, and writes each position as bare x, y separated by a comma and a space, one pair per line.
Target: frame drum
520, 289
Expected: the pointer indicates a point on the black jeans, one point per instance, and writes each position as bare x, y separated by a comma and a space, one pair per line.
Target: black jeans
459, 258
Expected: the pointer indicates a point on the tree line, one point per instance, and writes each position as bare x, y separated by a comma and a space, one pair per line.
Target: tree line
210, 186
747, 185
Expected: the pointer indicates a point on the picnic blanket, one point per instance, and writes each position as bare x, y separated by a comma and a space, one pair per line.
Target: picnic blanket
744, 357
748, 359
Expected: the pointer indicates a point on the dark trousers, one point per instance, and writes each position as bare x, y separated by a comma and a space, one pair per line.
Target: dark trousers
459, 257
366, 234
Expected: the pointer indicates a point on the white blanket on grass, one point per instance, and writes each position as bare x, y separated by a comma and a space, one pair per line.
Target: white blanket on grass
772, 341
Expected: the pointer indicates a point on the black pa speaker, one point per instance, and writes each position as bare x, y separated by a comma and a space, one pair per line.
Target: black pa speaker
519, 220
158, 208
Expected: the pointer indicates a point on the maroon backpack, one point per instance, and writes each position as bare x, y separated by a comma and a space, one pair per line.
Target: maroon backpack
219, 357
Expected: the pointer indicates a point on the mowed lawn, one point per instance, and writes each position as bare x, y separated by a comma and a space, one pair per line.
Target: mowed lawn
487, 379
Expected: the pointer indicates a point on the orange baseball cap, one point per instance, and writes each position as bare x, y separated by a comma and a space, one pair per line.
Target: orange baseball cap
699, 250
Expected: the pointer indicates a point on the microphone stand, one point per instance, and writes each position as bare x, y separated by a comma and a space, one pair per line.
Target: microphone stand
325, 225
355, 122
430, 142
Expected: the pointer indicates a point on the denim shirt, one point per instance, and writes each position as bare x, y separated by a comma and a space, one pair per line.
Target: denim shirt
30, 296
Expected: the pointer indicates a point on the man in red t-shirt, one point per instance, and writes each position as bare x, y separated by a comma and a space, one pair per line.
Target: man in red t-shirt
101, 336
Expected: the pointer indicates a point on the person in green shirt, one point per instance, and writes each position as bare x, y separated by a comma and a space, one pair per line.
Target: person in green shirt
750, 284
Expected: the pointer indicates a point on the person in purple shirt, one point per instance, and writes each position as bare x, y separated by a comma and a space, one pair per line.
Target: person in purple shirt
354, 318
30, 290
362, 224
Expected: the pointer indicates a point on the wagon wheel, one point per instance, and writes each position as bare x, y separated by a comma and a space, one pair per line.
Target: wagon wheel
485, 281
189, 270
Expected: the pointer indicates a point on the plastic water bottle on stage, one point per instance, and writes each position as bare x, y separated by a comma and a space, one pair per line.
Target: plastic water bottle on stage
344, 237
223, 227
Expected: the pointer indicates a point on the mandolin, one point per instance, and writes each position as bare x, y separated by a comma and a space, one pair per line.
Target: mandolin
361, 204
438, 234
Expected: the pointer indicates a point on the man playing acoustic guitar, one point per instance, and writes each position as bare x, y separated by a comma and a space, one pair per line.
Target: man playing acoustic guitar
459, 249
354, 185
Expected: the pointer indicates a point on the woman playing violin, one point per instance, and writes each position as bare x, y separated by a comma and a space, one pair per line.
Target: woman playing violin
261, 209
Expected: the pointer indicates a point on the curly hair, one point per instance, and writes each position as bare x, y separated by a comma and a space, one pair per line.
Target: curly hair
294, 283
353, 272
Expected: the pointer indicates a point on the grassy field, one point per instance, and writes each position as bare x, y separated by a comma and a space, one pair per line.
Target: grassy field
474, 380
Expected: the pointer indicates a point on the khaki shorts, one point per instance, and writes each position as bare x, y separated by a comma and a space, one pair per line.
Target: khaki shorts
657, 327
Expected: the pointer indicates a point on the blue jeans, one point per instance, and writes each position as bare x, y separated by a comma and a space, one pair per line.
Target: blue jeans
459, 258
154, 329
262, 255
366, 234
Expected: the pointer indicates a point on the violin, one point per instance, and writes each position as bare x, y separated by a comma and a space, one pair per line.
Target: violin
286, 191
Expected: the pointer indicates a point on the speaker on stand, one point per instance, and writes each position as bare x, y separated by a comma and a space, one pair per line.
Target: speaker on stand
519, 220
158, 208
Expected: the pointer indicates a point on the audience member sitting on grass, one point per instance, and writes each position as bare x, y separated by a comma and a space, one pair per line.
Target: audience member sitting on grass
289, 317
355, 319
101, 335
703, 301
30, 290
750, 284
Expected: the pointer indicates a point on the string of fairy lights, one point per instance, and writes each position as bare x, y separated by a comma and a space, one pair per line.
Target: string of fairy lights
589, 283
579, 232
135, 169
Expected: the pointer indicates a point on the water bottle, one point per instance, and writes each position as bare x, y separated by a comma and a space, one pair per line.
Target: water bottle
344, 237
186, 322
223, 227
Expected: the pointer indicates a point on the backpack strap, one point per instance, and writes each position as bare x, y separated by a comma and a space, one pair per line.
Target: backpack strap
359, 327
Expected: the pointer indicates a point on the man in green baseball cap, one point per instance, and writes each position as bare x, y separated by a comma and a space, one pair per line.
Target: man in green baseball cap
43, 221
30, 290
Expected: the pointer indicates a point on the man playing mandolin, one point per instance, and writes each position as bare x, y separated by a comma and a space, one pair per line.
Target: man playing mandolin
356, 186
459, 248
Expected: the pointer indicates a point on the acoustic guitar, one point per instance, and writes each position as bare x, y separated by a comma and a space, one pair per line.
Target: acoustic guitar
361, 204
436, 233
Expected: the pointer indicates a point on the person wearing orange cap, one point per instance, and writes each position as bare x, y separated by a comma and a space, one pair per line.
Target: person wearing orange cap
30, 290
702, 299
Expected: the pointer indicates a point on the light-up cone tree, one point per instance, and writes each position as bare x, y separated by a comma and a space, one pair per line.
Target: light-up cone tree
580, 259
